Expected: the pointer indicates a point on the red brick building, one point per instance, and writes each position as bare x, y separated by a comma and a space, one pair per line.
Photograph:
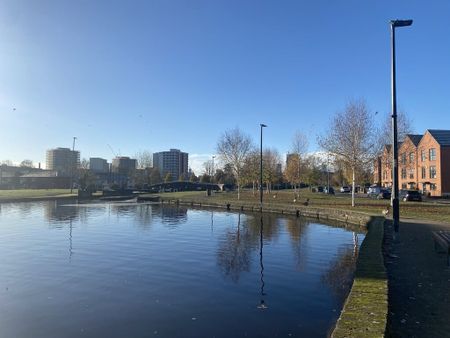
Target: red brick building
424, 163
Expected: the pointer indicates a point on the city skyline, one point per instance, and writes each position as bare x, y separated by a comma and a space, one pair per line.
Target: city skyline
157, 75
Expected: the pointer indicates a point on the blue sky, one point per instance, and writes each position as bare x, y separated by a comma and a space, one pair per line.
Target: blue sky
154, 75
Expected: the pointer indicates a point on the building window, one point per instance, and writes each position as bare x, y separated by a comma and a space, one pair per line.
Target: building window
403, 173
433, 171
432, 186
403, 185
432, 154
411, 157
424, 172
423, 155
404, 158
411, 173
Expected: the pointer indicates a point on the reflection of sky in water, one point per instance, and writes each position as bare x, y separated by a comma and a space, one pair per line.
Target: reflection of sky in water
117, 270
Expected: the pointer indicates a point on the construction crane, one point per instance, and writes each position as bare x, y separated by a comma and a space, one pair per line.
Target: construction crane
112, 150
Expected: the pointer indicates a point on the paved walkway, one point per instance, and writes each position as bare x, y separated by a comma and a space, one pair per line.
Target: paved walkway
419, 281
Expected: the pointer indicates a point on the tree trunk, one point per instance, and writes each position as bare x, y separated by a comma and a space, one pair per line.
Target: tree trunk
353, 186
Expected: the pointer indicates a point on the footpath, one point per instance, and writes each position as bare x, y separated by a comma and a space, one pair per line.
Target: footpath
418, 280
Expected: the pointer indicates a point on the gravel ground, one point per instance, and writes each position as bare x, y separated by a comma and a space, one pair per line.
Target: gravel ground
419, 281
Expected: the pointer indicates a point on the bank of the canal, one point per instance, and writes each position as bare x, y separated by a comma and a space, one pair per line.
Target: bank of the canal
365, 311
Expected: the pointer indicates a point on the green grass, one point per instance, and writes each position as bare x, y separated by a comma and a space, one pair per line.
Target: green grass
414, 210
21, 194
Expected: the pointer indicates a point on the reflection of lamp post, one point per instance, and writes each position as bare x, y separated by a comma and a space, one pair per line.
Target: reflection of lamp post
261, 169
395, 201
262, 305
72, 164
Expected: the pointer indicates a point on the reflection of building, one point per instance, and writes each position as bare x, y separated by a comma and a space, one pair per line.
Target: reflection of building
424, 163
63, 160
98, 165
173, 162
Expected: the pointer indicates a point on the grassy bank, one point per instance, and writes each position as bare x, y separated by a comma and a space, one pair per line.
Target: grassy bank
365, 311
34, 194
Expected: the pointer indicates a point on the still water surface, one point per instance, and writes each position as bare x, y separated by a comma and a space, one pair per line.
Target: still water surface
117, 270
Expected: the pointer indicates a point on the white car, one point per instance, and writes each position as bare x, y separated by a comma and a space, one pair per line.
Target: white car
345, 189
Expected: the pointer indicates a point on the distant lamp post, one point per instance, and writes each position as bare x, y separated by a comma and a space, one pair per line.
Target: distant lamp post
212, 169
74, 161
395, 200
261, 167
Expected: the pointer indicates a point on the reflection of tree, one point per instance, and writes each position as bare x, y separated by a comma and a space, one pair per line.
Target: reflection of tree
57, 212
340, 274
144, 215
173, 215
296, 227
233, 255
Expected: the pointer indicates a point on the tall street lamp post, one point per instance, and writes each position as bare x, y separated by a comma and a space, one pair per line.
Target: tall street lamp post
261, 168
395, 200
212, 169
73, 164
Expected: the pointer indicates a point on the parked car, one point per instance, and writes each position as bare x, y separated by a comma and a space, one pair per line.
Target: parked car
411, 195
319, 189
374, 191
327, 190
384, 194
345, 189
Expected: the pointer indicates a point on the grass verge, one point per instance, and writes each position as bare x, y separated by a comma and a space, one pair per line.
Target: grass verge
365, 311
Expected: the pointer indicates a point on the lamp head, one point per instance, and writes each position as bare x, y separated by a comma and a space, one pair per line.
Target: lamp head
263, 125
401, 23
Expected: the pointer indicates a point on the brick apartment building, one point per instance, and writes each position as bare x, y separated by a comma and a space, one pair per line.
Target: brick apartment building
423, 163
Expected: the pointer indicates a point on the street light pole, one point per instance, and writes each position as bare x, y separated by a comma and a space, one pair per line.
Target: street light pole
212, 169
395, 200
261, 168
72, 165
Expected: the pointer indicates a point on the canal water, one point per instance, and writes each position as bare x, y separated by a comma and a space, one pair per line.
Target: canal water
143, 270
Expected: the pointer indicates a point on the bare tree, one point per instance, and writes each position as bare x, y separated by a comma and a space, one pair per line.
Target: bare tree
144, 159
299, 148
404, 127
233, 147
250, 172
351, 138
8, 163
27, 164
208, 167
271, 159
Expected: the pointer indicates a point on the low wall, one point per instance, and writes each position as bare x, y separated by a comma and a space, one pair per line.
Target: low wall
345, 216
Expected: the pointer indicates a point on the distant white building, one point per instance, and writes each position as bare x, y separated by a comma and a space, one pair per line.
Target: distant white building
173, 161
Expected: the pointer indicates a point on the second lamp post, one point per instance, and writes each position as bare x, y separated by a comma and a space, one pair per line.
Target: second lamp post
261, 168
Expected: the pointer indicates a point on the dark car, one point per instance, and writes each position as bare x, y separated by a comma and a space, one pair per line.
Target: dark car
384, 194
412, 195
329, 190
320, 189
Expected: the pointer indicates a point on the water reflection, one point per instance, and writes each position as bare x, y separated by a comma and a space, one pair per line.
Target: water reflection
296, 228
262, 304
233, 254
57, 214
340, 273
244, 266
